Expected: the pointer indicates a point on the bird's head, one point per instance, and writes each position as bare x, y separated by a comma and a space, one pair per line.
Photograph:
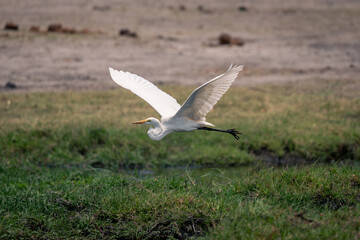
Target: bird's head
148, 121
156, 130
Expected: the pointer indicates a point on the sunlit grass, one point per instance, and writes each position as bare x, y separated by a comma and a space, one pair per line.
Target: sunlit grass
318, 122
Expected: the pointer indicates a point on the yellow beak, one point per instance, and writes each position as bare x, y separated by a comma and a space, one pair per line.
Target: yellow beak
141, 121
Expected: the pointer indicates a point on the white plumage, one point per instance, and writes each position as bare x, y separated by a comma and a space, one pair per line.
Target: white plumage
162, 102
203, 99
191, 115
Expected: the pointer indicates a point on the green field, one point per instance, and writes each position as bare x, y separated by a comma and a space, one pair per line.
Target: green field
73, 166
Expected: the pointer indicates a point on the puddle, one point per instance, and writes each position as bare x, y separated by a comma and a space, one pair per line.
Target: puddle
286, 160
263, 160
217, 173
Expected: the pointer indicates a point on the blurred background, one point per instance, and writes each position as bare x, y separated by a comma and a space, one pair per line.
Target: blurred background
63, 45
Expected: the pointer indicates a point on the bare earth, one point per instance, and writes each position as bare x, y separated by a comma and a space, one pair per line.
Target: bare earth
177, 41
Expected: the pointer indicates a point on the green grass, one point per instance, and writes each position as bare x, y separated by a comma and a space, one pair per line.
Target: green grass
64, 157
317, 122
315, 202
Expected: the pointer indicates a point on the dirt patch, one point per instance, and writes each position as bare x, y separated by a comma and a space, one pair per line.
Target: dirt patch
314, 37
329, 200
179, 229
36, 224
69, 205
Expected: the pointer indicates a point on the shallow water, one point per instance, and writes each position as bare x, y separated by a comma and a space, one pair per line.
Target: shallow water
194, 172
217, 173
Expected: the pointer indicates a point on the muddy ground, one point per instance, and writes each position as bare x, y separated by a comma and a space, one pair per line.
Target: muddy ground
176, 41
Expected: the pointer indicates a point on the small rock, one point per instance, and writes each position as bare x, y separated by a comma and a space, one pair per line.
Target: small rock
182, 8
224, 39
101, 8
11, 26
127, 32
237, 41
242, 9
68, 30
166, 38
10, 85
124, 31
300, 71
34, 29
203, 10
56, 27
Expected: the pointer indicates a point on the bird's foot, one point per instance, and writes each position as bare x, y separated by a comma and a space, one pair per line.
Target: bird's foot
234, 132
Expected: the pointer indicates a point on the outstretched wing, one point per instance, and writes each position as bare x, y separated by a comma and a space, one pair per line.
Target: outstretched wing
203, 99
162, 102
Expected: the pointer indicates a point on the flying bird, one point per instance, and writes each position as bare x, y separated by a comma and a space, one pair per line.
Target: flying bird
175, 118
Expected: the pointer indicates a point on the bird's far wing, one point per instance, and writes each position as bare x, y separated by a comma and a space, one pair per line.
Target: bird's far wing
162, 102
203, 99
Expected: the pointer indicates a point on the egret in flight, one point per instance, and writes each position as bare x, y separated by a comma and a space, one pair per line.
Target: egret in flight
175, 118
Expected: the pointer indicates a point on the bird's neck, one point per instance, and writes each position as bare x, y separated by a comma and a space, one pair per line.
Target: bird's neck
157, 132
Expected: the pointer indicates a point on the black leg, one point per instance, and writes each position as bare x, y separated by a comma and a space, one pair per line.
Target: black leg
233, 131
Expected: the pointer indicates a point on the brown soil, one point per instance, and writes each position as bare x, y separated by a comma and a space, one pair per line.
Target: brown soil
176, 43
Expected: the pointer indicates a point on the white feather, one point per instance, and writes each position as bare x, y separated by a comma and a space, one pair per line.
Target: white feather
162, 102
203, 99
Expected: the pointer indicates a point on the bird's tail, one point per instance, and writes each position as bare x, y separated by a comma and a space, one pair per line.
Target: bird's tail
209, 124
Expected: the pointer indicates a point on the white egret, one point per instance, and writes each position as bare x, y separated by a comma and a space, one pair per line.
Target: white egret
175, 118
